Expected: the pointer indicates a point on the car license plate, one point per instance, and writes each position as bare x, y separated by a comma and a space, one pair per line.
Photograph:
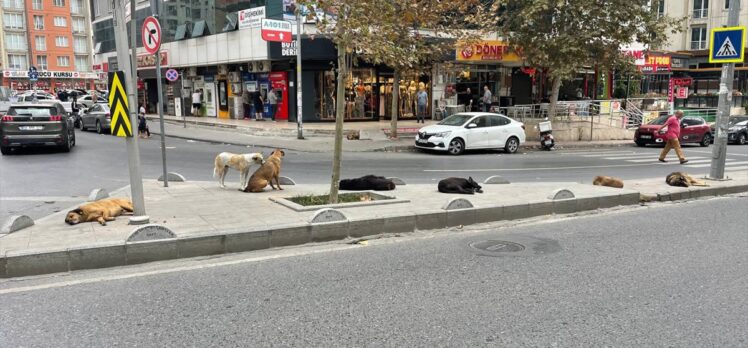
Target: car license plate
421, 141
548, 142
645, 136
30, 128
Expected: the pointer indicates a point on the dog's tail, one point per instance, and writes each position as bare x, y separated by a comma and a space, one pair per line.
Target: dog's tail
216, 165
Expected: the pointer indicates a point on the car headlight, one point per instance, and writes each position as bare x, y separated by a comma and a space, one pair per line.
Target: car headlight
442, 134
733, 129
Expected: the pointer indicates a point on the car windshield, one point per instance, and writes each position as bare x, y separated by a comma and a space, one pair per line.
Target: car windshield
735, 120
659, 120
455, 120
31, 111
743, 123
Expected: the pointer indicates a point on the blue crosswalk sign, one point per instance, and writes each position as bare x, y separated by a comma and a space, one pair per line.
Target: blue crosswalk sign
727, 45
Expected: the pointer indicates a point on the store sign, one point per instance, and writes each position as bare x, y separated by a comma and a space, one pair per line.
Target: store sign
273, 30
678, 63
149, 60
638, 56
682, 81
656, 64
45, 74
288, 49
487, 51
681, 92
251, 18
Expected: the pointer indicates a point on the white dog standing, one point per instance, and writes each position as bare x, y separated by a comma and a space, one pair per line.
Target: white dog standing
240, 162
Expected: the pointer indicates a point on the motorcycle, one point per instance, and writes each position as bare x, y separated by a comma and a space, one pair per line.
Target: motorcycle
547, 142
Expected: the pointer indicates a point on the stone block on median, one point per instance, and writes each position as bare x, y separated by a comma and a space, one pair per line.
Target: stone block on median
291, 235
97, 256
173, 177
97, 194
201, 246
325, 232
31, 262
149, 251
365, 227
150, 232
457, 203
400, 224
15, 223
561, 193
247, 241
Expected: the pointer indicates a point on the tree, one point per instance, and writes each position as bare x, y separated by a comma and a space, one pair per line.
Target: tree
567, 35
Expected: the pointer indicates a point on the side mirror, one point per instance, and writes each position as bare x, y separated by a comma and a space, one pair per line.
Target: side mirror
683, 125
472, 125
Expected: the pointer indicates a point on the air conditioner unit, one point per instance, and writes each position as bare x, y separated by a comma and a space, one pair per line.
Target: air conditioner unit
223, 70
262, 66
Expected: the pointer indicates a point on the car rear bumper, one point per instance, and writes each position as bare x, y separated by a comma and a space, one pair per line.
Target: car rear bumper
32, 140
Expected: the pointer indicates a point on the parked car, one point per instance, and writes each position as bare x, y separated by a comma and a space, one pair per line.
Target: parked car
737, 132
472, 130
29, 96
693, 130
96, 117
36, 124
88, 100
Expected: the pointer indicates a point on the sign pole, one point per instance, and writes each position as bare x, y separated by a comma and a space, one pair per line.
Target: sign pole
133, 152
150, 28
299, 109
719, 151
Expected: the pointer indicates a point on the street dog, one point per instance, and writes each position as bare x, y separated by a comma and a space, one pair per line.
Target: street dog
266, 173
102, 211
240, 162
683, 180
459, 185
367, 182
609, 181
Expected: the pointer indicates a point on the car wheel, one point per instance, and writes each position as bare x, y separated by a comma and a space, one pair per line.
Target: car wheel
5, 150
81, 126
456, 147
742, 139
706, 141
98, 127
512, 145
68, 144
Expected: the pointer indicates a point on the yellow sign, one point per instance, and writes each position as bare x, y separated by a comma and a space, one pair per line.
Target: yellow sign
118, 105
486, 51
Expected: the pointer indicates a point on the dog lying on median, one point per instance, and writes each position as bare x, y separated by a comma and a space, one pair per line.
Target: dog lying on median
609, 181
367, 182
683, 180
242, 163
459, 185
269, 171
102, 211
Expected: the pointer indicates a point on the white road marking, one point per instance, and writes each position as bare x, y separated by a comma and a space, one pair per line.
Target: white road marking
611, 154
709, 164
577, 153
634, 156
737, 168
44, 199
729, 154
708, 160
643, 160
534, 169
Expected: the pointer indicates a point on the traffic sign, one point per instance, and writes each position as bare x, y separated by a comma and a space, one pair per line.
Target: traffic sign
172, 75
33, 74
119, 106
727, 45
276, 31
151, 33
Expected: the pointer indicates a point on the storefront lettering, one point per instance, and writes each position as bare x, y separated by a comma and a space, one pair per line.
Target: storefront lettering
288, 49
46, 74
487, 51
149, 60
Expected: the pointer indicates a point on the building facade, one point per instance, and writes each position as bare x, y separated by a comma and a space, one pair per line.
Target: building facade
52, 35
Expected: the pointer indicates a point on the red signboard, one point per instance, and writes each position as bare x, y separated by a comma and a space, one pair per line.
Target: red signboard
656, 64
276, 31
681, 93
682, 81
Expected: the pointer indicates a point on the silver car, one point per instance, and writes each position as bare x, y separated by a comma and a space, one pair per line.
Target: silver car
97, 117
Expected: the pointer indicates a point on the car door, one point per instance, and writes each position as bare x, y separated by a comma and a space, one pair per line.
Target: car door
499, 131
89, 117
690, 130
477, 136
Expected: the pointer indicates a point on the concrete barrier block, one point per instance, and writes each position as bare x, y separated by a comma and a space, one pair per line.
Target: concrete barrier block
200, 246
150, 232
565, 206
431, 221
15, 223
397, 181
97, 257
173, 177
3, 262
364, 228
458, 203
284, 180
326, 232
588, 203
97, 194
561, 193
614, 201
400, 224
516, 212
489, 214
247, 241
149, 251
327, 215
540, 208
629, 198
290, 236
496, 180
460, 217
27, 263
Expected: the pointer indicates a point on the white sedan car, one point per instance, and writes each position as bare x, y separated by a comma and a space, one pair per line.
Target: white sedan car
472, 130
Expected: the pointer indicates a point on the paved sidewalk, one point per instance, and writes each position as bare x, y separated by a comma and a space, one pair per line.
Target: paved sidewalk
208, 220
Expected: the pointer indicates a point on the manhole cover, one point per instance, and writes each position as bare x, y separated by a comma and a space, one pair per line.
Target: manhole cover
497, 246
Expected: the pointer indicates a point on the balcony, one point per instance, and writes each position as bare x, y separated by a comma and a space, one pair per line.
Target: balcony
698, 45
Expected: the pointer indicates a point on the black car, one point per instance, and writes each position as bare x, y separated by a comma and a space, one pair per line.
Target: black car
737, 130
36, 124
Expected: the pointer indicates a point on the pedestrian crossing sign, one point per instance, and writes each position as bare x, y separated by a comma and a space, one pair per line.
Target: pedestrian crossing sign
118, 105
727, 45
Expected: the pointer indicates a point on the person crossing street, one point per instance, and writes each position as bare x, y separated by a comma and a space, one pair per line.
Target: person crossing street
671, 129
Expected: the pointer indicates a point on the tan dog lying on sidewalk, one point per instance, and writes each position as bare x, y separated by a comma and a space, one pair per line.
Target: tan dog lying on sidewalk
609, 181
241, 162
266, 173
102, 211
683, 180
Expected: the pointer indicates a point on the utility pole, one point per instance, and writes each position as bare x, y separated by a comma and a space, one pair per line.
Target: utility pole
299, 109
133, 151
719, 152
155, 11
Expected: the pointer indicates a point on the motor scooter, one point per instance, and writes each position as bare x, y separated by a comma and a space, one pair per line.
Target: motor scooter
547, 142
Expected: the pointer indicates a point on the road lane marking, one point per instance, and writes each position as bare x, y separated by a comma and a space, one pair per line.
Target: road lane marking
737, 168
709, 164
628, 154
710, 153
534, 169
44, 199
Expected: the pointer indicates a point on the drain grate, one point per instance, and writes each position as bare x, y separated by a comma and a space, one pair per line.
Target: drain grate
497, 246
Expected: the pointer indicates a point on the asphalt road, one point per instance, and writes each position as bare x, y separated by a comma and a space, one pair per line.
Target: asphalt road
39, 182
670, 275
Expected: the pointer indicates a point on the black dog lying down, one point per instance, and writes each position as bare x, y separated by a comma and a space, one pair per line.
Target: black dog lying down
367, 182
459, 185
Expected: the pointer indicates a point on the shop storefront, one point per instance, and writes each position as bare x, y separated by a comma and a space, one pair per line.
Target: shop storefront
491, 63
50, 80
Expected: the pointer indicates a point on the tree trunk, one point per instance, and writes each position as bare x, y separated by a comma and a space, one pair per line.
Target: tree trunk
554, 98
395, 102
339, 116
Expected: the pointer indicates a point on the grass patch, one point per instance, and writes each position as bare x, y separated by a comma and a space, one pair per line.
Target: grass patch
308, 200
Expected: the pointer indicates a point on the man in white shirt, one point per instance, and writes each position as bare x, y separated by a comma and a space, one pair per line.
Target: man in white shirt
486, 99
196, 103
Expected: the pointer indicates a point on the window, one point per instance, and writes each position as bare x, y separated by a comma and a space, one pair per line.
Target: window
41, 63
37, 5
59, 3
79, 25
41, 43
498, 121
39, 22
61, 41
481, 121
63, 61
17, 62
76, 6
13, 20
727, 4
13, 3
700, 8
698, 38
60, 21
80, 45
14, 41
81, 63
661, 8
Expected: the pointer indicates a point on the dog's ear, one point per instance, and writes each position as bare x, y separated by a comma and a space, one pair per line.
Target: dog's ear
283, 153
78, 211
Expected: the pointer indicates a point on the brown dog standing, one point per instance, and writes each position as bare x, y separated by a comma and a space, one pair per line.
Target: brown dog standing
266, 173
101, 211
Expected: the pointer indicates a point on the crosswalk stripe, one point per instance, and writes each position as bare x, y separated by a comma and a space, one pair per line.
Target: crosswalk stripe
610, 154
595, 152
737, 168
643, 160
633, 156
709, 164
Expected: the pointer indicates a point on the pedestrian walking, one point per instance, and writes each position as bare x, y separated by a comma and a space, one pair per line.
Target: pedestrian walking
247, 103
196, 103
259, 105
423, 102
143, 131
273, 101
671, 129
486, 99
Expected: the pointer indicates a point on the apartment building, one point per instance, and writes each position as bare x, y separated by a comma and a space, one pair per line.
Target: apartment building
52, 35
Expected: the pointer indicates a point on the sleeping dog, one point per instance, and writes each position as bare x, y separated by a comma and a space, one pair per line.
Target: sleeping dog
102, 211
609, 181
242, 163
459, 185
367, 182
683, 180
